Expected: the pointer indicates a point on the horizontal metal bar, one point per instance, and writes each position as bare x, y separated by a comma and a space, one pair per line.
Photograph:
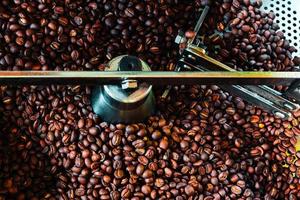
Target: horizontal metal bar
153, 77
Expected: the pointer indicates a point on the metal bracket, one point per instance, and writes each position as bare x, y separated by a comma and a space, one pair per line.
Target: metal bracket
129, 84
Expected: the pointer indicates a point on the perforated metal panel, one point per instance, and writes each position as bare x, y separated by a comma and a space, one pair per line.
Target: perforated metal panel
288, 18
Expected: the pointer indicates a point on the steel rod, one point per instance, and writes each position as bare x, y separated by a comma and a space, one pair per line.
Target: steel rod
154, 77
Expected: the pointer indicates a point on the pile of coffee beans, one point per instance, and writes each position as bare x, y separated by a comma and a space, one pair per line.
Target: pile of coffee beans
81, 35
25, 171
246, 38
202, 144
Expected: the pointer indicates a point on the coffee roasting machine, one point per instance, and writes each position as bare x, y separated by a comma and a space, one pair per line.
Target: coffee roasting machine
125, 91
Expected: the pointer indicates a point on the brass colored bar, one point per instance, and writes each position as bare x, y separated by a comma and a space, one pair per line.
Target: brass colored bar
153, 77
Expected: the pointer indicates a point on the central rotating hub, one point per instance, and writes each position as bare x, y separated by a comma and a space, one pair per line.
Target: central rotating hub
128, 102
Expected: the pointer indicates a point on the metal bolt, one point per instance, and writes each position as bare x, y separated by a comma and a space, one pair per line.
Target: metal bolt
129, 84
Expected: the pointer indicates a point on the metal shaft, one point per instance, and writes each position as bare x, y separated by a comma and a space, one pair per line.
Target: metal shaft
155, 78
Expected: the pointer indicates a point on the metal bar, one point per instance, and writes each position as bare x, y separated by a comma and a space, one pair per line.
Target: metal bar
254, 98
200, 22
156, 78
274, 96
196, 54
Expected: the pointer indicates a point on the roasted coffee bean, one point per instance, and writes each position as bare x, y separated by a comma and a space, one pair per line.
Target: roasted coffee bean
236, 190
118, 27
146, 189
93, 131
246, 28
116, 140
129, 12
164, 143
147, 174
189, 190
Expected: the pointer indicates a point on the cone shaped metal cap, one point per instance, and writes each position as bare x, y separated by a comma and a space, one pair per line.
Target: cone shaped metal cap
117, 105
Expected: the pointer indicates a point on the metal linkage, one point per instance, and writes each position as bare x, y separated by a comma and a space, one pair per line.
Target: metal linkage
195, 58
260, 95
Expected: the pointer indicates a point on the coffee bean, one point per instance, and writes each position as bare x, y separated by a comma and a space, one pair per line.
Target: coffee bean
164, 143
236, 190
264, 57
116, 140
78, 20
80, 123
149, 22
110, 21
241, 184
20, 41
147, 174
214, 181
297, 163
125, 193
223, 176
146, 189
119, 173
129, 12
115, 195
140, 169
230, 111
85, 153
59, 10
106, 179
93, 131
80, 192
254, 119
246, 28
74, 55
235, 22
155, 50
156, 135
189, 190
143, 160
52, 26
